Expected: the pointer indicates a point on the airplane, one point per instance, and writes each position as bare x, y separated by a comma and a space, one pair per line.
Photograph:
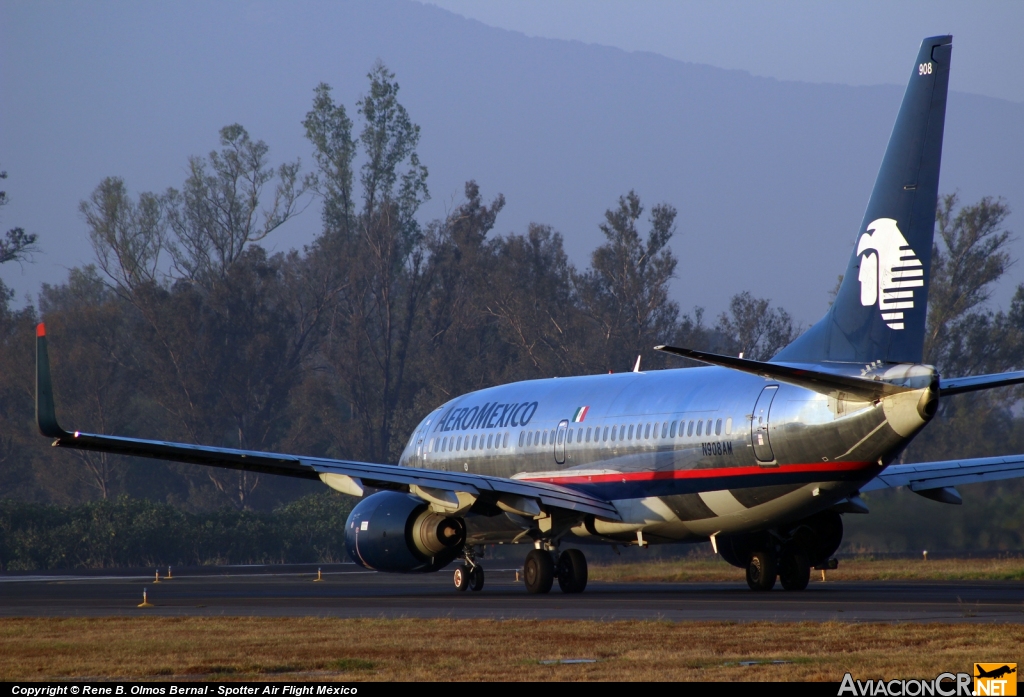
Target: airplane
995, 673
762, 458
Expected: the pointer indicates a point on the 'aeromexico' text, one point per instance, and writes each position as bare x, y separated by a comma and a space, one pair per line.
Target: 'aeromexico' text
490, 415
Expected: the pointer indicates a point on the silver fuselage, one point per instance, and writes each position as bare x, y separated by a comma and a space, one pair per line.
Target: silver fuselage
683, 454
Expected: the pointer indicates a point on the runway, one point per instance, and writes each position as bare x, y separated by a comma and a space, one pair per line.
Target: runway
349, 591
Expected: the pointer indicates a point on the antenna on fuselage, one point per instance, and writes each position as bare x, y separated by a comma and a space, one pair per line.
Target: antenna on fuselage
636, 368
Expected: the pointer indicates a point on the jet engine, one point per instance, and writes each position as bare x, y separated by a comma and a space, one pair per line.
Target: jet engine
391, 531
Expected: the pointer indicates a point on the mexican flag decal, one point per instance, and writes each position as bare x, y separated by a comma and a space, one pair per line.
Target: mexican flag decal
580, 414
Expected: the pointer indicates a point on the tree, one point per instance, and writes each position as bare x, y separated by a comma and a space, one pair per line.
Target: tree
221, 209
16, 245
968, 258
329, 129
127, 236
224, 330
626, 290
377, 259
754, 328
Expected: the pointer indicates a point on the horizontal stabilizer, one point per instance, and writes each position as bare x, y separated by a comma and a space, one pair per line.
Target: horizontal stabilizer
949, 386
817, 380
928, 476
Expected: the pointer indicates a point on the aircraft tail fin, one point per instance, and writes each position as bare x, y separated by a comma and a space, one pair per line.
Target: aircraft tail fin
879, 312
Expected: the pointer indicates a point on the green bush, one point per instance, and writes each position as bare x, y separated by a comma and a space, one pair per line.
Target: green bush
126, 532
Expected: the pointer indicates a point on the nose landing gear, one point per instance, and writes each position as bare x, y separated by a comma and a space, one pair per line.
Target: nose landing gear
469, 575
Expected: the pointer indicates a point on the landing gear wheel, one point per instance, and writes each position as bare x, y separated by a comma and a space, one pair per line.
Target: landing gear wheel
462, 577
572, 571
538, 571
476, 578
761, 571
794, 570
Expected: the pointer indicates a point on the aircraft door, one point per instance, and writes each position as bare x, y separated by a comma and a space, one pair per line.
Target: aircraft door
759, 425
563, 426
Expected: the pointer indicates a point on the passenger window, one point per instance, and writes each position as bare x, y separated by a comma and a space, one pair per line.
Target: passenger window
614, 431
631, 431
654, 431
728, 426
529, 439
588, 434
718, 427
444, 444
490, 440
544, 438
504, 443
689, 429
536, 438
522, 438
672, 431
647, 431
700, 425
474, 443
664, 429
560, 437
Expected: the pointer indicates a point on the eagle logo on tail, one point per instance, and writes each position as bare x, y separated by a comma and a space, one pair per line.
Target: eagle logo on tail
889, 271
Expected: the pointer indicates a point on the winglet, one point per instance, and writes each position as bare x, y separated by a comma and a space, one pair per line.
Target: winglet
46, 415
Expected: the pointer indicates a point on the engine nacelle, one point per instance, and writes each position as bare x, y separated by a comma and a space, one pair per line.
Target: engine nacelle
390, 531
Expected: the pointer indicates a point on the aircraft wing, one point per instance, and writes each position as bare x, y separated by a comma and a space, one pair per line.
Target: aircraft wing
432, 485
936, 480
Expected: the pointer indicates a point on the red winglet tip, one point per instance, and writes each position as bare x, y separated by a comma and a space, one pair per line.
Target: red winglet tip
40, 329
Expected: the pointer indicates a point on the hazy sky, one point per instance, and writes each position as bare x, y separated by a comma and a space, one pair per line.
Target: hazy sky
126, 88
851, 43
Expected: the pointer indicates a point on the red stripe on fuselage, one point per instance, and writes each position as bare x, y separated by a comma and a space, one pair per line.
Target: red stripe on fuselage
821, 468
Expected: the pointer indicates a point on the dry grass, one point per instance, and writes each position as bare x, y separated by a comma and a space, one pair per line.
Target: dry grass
353, 649
857, 569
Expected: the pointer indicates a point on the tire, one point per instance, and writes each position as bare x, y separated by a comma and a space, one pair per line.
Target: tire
761, 571
461, 577
572, 571
794, 570
538, 571
476, 578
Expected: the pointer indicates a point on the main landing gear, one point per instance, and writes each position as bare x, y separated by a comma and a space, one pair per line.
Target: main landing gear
540, 571
790, 565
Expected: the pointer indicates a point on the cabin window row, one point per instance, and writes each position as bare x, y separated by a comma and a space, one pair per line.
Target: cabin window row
489, 441
590, 434
673, 429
